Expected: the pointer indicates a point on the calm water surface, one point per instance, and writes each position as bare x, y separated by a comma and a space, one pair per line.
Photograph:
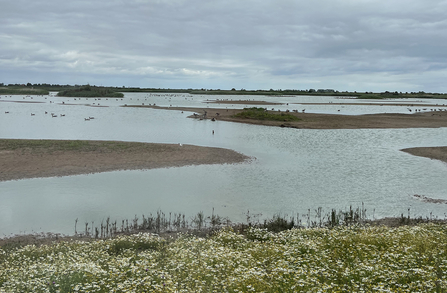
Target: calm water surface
291, 171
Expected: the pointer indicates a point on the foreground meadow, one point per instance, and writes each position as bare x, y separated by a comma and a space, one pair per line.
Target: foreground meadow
360, 259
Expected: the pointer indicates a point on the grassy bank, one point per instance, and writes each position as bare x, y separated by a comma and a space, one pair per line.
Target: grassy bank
344, 258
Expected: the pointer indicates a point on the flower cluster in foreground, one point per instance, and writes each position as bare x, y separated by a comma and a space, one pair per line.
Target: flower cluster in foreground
360, 259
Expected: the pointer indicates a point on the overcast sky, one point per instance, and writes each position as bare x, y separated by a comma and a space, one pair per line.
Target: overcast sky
363, 45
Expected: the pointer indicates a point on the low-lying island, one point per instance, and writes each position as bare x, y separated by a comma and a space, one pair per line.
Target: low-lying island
21, 159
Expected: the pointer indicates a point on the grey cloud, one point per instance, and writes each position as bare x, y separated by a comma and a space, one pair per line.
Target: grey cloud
279, 44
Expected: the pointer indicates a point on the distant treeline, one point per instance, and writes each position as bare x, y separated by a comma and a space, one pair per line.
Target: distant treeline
22, 91
90, 91
101, 91
288, 92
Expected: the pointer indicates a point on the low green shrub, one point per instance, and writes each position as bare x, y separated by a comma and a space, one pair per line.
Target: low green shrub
91, 91
263, 114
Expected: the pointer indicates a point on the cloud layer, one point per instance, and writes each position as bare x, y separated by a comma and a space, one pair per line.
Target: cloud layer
358, 45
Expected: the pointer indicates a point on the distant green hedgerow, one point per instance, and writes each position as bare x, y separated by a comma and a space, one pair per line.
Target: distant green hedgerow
91, 91
263, 114
22, 91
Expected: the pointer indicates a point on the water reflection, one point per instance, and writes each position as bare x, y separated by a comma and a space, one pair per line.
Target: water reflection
294, 170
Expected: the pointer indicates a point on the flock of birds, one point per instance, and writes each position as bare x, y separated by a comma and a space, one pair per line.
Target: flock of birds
52, 114
55, 115
166, 96
426, 109
170, 96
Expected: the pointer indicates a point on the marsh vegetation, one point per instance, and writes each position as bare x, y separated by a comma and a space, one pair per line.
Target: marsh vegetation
338, 251
343, 256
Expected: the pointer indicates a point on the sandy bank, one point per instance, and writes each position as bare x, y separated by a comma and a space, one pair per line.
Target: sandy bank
437, 153
21, 159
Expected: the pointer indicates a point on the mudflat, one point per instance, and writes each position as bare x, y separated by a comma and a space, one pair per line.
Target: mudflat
21, 159
437, 153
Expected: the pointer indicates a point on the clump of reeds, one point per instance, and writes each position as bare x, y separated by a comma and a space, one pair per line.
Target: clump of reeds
159, 222
200, 224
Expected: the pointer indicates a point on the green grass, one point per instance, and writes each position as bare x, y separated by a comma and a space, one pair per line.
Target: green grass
341, 259
263, 114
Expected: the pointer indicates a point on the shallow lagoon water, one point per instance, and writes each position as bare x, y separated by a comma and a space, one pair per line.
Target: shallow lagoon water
292, 170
